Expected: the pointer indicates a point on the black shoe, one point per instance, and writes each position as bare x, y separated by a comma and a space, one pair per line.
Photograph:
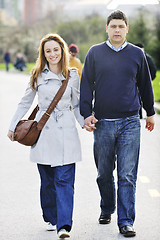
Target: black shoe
104, 219
127, 231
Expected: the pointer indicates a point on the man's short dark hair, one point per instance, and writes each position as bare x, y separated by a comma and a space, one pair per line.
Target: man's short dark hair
117, 14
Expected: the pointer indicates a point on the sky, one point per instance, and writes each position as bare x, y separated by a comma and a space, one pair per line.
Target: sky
114, 3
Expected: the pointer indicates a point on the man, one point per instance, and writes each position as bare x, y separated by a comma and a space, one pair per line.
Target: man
74, 61
113, 74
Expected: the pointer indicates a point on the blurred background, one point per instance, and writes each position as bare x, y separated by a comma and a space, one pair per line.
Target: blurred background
24, 22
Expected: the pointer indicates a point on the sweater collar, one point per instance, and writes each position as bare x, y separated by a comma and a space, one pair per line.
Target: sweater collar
113, 48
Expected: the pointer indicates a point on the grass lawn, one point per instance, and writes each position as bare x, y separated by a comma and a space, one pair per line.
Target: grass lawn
12, 68
156, 81
156, 87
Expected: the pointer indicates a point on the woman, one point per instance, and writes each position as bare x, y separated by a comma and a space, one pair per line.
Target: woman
58, 147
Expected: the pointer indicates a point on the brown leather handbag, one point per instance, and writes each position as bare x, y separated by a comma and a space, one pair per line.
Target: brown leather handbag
27, 131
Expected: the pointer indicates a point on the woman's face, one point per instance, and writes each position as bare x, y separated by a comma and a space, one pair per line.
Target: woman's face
52, 52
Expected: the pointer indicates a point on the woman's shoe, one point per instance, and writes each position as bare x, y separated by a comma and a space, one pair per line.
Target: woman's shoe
50, 227
63, 233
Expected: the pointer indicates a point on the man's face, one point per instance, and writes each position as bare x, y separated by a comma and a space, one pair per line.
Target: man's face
117, 31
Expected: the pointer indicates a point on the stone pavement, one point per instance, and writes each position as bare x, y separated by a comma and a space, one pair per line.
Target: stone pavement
20, 213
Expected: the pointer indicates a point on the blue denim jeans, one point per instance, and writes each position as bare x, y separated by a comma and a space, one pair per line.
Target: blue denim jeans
117, 142
56, 194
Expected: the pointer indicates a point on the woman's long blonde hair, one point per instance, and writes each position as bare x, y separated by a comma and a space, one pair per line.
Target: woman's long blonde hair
41, 60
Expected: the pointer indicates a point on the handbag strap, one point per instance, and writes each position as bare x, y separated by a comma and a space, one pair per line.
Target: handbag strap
52, 105
34, 112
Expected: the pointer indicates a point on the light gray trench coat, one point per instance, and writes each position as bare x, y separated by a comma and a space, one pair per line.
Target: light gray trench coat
59, 142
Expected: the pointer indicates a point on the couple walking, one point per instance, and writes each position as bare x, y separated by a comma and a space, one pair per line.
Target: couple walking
114, 73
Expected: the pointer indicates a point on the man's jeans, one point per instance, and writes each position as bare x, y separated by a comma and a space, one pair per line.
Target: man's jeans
57, 189
118, 140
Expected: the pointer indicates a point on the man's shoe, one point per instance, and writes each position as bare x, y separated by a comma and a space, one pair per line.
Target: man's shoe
104, 219
63, 233
50, 227
127, 231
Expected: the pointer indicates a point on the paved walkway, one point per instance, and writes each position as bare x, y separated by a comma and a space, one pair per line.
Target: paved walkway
20, 213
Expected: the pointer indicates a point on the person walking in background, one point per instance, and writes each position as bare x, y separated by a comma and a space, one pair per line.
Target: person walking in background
58, 147
74, 61
114, 72
152, 69
7, 59
151, 64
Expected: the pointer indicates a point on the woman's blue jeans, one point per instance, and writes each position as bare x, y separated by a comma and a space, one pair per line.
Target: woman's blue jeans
118, 142
56, 194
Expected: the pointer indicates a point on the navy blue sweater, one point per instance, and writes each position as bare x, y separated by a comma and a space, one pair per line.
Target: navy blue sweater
113, 80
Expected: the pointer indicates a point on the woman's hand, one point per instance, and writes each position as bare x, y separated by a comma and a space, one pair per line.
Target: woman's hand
89, 123
11, 135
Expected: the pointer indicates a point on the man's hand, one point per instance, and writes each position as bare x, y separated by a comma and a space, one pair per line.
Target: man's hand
150, 123
89, 123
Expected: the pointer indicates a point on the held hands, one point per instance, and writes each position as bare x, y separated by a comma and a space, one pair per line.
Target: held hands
150, 123
11, 135
89, 123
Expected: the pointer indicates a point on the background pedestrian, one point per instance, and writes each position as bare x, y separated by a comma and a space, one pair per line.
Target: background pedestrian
152, 68
7, 59
74, 60
20, 63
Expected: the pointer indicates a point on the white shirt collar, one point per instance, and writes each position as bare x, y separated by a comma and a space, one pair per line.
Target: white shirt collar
113, 48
